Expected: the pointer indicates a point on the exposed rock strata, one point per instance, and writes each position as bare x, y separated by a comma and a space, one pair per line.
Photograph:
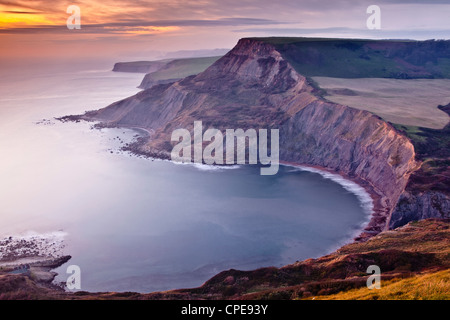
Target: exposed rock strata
419, 206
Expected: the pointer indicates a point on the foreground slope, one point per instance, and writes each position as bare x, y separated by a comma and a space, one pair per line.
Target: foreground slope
414, 262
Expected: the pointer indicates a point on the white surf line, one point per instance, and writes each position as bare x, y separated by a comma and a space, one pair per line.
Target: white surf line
362, 195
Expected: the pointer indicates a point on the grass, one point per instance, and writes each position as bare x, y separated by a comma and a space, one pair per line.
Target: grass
370, 75
432, 147
428, 143
178, 69
410, 102
426, 236
429, 286
362, 58
182, 68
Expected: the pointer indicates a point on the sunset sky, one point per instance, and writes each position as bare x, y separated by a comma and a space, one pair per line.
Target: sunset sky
145, 29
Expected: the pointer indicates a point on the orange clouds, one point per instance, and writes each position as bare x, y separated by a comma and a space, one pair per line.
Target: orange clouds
96, 18
114, 26
20, 19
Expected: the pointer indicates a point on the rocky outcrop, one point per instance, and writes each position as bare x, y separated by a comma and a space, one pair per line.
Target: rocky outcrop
254, 86
414, 207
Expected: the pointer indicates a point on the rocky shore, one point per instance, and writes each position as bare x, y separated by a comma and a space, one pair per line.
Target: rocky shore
33, 256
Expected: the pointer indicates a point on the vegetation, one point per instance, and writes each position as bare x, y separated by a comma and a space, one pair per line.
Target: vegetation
178, 69
428, 286
182, 68
358, 58
433, 149
428, 143
406, 102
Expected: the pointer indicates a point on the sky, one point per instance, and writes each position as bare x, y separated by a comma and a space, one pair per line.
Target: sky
126, 30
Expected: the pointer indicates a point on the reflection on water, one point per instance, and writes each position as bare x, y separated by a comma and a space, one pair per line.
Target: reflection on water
134, 224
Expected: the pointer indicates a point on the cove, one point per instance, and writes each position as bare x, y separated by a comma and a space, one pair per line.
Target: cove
175, 226
133, 224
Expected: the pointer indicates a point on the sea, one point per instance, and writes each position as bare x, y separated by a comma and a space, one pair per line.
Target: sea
139, 224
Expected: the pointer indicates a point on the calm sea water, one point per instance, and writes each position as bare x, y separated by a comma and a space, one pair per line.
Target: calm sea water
134, 224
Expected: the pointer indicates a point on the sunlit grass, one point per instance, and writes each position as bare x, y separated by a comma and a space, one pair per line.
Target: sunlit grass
431, 286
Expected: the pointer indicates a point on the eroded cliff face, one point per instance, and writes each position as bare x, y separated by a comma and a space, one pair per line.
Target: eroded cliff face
253, 86
414, 206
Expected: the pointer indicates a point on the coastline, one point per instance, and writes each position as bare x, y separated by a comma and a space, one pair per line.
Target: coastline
371, 226
378, 210
34, 255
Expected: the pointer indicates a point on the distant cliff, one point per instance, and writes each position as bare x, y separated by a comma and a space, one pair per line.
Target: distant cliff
139, 66
177, 69
255, 85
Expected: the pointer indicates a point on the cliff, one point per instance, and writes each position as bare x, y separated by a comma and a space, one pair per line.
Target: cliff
254, 86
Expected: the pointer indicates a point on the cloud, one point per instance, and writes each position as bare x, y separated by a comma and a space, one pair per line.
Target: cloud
21, 12
35, 5
130, 25
147, 17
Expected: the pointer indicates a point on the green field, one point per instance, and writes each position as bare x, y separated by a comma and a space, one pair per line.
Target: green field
182, 68
177, 69
411, 102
